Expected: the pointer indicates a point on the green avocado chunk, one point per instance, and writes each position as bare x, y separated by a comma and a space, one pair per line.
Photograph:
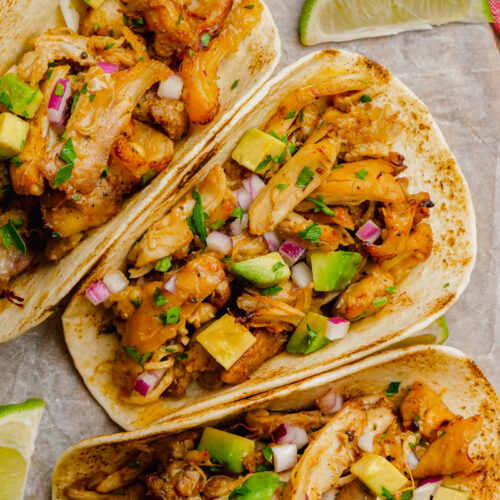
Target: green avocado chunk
18, 96
334, 270
226, 448
13, 133
259, 486
256, 150
309, 336
264, 270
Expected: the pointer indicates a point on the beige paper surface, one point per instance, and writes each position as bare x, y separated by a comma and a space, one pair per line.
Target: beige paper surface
455, 70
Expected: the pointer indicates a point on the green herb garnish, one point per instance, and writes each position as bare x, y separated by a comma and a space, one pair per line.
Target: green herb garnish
196, 221
380, 301
238, 212
138, 22
366, 98
217, 224
235, 84
136, 302
140, 359
59, 90
407, 495
163, 265
104, 173
205, 39
277, 266
305, 177
109, 45
145, 178
311, 233
272, 290
263, 164
172, 316
387, 494
393, 389
10, 236
16, 161
280, 187
158, 298
391, 289
268, 453
290, 115
320, 206
362, 174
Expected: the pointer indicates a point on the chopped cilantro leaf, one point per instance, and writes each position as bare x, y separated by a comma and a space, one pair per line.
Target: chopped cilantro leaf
205, 39
140, 359
59, 90
138, 22
163, 265
311, 233
380, 301
250, 6
305, 177
263, 164
182, 356
292, 148
158, 298
387, 494
63, 174
5, 100
96, 27
301, 116
280, 187
217, 224
290, 115
179, 19
366, 98
196, 221
84, 88
68, 152
16, 161
172, 316
133, 465
277, 266
235, 84
238, 212
10, 236
268, 453
362, 174
407, 495
104, 173
109, 45
262, 468
272, 290
446, 285
391, 289
191, 53
73, 103
392, 389
136, 302
320, 206
145, 178
91, 97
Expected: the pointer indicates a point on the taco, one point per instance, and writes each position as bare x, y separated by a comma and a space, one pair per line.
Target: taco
99, 124
323, 230
420, 420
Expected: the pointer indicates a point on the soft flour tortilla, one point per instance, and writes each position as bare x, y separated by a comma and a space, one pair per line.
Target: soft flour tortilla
419, 300
44, 287
446, 370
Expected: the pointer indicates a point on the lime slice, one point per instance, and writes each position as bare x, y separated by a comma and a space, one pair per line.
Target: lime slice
18, 430
436, 333
340, 20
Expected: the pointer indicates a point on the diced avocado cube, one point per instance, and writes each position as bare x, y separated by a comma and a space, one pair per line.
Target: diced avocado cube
13, 133
18, 96
226, 340
256, 148
334, 270
259, 486
377, 473
443, 493
264, 270
226, 448
95, 3
309, 336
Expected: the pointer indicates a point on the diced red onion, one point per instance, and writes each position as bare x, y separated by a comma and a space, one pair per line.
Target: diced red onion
426, 491
329, 495
369, 232
412, 460
284, 456
432, 479
302, 275
237, 226
97, 293
243, 198
290, 434
108, 67
171, 87
70, 14
292, 252
57, 104
220, 242
254, 184
365, 442
336, 328
330, 402
272, 240
148, 380
171, 284
116, 281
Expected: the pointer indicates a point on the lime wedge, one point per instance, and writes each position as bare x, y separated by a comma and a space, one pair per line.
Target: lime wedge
340, 20
436, 333
18, 430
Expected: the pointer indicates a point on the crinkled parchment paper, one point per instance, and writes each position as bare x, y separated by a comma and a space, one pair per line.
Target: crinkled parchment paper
455, 70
